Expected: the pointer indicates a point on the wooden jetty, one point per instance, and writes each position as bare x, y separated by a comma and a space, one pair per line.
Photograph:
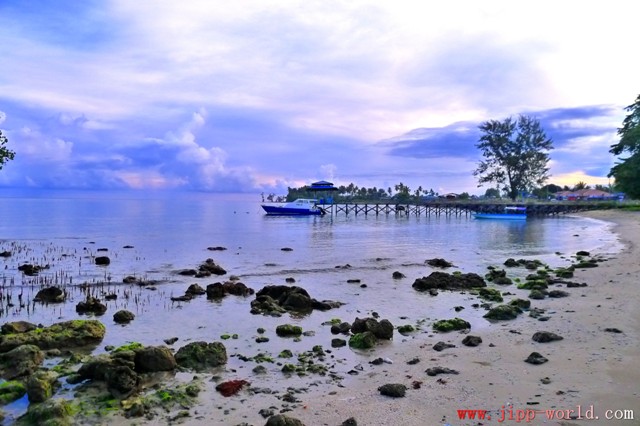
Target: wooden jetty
457, 208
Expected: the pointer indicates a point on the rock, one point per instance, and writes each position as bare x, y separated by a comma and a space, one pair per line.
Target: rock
122, 381
51, 412
365, 340
440, 346
282, 420
537, 295
216, 248
406, 329
50, 295
21, 361
195, 290
490, 294
338, 343
381, 329
123, 316
209, 267
454, 324
231, 387
545, 336
62, 335
350, 422
102, 260
434, 371
503, 312
170, 340
536, 359
5, 254
583, 253
394, 390
31, 270
17, 327
201, 356
471, 340
521, 303
154, 358
444, 281
91, 305
41, 385
438, 263
288, 330
398, 275
612, 330
557, 293
278, 299
11, 391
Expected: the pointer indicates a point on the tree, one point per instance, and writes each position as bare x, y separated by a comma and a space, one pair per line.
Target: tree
580, 186
627, 171
492, 193
5, 153
515, 154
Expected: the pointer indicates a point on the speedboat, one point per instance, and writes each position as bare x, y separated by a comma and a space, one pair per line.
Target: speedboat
299, 207
510, 212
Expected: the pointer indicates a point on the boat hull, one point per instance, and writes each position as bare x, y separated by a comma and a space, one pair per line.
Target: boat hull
288, 211
503, 216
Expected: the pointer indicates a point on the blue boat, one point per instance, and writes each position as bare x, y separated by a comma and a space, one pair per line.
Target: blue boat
299, 207
510, 213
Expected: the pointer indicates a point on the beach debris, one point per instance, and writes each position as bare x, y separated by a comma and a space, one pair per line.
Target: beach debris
394, 390
472, 341
445, 281
536, 358
545, 337
434, 371
231, 387
453, 324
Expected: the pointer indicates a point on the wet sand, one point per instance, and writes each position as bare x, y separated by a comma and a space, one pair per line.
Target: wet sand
590, 368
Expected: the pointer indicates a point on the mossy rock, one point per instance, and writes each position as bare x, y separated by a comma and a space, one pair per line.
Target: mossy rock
533, 285
200, 356
537, 294
64, 335
11, 391
454, 324
586, 264
521, 303
564, 273
365, 340
406, 329
286, 353
490, 294
503, 312
53, 412
287, 330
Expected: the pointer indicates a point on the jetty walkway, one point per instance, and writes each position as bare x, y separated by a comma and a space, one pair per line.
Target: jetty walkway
457, 208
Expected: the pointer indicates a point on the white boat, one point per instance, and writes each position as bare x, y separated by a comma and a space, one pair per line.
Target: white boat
510, 213
299, 207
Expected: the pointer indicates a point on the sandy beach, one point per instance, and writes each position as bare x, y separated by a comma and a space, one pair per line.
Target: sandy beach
591, 371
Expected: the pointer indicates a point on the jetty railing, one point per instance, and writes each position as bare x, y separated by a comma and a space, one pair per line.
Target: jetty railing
457, 208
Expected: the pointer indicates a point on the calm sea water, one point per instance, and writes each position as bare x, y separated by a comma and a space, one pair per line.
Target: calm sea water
169, 232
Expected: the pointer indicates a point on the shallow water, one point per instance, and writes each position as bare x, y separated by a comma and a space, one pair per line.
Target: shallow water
170, 232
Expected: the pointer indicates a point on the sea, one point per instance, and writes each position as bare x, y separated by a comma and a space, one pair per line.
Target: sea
347, 258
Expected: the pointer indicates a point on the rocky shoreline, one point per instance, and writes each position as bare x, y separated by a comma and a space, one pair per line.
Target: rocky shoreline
543, 322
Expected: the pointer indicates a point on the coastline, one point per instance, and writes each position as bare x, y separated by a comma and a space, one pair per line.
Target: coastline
589, 369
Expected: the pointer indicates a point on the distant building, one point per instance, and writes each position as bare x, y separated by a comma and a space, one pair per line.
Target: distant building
585, 194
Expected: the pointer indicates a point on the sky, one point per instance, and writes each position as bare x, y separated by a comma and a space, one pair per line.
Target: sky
256, 96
